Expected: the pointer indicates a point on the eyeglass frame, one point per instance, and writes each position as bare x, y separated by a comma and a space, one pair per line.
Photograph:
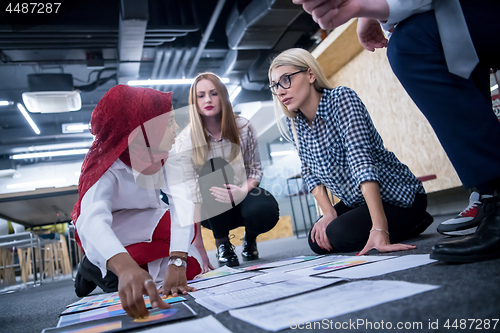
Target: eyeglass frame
278, 84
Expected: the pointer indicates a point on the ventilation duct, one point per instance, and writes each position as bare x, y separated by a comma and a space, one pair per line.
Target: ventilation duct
260, 24
134, 16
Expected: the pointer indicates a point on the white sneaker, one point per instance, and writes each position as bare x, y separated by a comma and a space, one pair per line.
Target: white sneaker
468, 220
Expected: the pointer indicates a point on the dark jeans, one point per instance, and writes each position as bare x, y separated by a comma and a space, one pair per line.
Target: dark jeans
351, 229
459, 110
258, 213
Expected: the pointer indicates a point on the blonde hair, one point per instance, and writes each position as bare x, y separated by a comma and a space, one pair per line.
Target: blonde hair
302, 60
199, 137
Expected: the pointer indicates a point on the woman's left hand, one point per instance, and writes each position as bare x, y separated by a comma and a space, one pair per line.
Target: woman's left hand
175, 282
222, 194
380, 240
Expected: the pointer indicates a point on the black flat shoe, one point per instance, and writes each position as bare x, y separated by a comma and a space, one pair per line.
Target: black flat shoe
249, 251
226, 255
83, 287
483, 245
92, 273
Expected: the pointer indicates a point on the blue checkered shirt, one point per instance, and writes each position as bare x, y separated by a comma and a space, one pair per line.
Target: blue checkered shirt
343, 149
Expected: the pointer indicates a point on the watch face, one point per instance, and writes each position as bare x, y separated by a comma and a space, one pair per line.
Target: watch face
178, 262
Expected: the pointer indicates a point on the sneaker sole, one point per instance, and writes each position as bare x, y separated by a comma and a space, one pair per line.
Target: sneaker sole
465, 232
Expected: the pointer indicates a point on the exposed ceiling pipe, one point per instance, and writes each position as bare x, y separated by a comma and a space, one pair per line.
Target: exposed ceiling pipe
206, 36
181, 72
158, 58
173, 67
163, 67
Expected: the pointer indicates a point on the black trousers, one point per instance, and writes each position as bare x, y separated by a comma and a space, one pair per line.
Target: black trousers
258, 213
351, 229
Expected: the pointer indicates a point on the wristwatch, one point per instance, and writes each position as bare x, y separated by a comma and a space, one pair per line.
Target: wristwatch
177, 262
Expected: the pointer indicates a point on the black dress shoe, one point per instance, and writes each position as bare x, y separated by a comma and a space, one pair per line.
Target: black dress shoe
249, 251
83, 287
226, 255
91, 275
483, 245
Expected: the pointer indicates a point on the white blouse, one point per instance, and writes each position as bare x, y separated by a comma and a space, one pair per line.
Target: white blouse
124, 207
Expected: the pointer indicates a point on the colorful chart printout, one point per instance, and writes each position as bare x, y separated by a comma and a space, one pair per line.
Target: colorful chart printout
124, 322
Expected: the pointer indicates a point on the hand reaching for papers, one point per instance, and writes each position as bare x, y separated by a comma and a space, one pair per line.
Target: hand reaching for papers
370, 34
198, 243
380, 240
133, 283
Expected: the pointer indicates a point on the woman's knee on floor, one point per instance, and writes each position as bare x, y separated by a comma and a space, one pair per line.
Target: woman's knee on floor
315, 247
344, 239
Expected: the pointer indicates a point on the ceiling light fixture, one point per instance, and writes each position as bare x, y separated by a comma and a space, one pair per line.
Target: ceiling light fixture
52, 101
28, 118
166, 82
45, 183
5, 103
494, 87
50, 154
234, 93
74, 128
9, 173
282, 153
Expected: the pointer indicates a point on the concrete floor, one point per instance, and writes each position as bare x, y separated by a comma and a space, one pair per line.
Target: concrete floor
467, 291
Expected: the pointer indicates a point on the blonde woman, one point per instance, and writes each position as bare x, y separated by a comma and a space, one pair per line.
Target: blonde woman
220, 154
382, 202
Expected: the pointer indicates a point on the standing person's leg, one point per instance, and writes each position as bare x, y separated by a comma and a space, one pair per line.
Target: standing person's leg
351, 229
259, 213
459, 110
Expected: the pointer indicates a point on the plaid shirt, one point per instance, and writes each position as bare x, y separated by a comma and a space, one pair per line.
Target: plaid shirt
343, 149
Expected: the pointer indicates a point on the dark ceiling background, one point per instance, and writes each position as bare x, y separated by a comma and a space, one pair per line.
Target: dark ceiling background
103, 43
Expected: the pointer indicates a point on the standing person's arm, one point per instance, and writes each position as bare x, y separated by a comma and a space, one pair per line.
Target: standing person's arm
330, 14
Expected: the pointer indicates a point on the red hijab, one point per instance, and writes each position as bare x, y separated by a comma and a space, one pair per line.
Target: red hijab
121, 112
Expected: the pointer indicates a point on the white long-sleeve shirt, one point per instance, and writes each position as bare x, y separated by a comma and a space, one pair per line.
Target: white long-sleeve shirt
400, 10
124, 208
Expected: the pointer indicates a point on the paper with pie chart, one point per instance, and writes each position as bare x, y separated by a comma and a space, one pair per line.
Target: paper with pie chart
124, 322
337, 264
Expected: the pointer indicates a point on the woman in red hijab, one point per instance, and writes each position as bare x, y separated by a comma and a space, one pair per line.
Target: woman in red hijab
134, 216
